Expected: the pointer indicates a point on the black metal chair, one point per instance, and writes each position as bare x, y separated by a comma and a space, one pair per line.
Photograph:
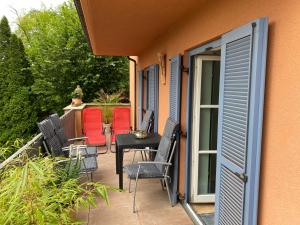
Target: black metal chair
88, 163
159, 167
65, 142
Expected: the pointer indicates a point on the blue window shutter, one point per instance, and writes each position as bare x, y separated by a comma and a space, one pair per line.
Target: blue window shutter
152, 92
174, 112
140, 98
175, 88
243, 57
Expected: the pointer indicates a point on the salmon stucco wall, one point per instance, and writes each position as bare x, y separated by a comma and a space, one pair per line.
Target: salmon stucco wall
279, 202
132, 86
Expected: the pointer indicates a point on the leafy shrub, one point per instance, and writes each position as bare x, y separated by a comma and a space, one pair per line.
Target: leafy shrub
39, 191
9, 148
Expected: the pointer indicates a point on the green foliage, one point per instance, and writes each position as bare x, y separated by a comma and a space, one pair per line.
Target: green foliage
37, 191
61, 58
108, 99
9, 148
18, 114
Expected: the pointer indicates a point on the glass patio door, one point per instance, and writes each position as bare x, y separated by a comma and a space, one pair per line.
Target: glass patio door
205, 123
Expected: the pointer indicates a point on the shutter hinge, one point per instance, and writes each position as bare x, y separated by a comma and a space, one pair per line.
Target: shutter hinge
183, 134
185, 69
181, 196
242, 176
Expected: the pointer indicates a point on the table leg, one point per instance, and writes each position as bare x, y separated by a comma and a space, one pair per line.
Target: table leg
121, 168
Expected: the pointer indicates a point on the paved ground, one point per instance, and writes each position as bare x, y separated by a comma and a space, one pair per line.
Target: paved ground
152, 203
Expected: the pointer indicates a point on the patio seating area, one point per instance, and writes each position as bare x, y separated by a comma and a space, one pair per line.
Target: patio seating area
153, 207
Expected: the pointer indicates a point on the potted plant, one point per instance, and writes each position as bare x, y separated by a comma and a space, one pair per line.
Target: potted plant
107, 100
77, 96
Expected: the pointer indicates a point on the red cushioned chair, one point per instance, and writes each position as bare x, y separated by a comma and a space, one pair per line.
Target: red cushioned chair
120, 122
92, 127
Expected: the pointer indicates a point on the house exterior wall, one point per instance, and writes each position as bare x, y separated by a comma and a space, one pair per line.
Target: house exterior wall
132, 86
280, 167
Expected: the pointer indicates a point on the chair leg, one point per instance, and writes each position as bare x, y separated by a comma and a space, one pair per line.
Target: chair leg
162, 184
142, 156
167, 186
104, 152
136, 183
146, 156
133, 157
112, 151
129, 186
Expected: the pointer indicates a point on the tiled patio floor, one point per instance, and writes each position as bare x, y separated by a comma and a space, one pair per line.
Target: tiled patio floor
152, 203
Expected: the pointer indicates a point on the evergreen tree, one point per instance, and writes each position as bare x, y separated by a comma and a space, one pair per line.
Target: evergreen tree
5, 35
17, 113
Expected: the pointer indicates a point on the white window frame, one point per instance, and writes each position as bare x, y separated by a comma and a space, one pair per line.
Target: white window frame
195, 198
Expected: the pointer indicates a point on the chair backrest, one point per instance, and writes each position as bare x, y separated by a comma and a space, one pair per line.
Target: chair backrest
121, 119
166, 142
58, 128
92, 119
50, 137
147, 121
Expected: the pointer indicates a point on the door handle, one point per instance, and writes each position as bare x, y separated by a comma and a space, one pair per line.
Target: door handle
242, 176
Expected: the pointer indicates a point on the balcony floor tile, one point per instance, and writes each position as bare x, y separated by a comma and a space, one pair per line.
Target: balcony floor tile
152, 203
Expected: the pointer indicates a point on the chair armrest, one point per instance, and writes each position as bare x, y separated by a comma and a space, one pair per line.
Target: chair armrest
143, 149
77, 139
155, 162
74, 147
70, 159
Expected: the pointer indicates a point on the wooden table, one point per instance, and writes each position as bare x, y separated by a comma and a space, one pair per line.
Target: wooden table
129, 141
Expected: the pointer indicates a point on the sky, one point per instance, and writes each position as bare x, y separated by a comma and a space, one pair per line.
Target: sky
7, 6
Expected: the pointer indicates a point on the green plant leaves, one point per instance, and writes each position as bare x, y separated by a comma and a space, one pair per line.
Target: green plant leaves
37, 191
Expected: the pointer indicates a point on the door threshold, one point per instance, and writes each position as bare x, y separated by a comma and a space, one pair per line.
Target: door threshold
191, 213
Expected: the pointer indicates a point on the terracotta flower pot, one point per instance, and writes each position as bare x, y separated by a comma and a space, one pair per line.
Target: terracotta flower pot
76, 101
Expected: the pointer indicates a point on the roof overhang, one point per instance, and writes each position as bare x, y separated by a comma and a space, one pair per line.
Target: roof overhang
127, 27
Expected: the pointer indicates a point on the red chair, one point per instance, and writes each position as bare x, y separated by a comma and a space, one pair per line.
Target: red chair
120, 122
92, 127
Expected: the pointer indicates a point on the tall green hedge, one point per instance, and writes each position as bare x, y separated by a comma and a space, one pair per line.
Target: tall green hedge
17, 108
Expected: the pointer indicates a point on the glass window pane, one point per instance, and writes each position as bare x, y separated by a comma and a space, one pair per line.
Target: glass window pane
208, 129
207, 174
210, 82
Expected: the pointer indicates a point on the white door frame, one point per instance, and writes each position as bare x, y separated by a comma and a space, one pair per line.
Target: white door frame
195, 198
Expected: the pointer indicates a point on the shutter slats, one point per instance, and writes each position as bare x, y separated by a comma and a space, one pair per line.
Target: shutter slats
237, 97
234, 69
239, 66
152, 93
238, 43
234, 129
235, 119
231, 204
234, 57
233, 132
243, 53
237, 78
174, 113
140, 98
233, 146
237, 101
174, 89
